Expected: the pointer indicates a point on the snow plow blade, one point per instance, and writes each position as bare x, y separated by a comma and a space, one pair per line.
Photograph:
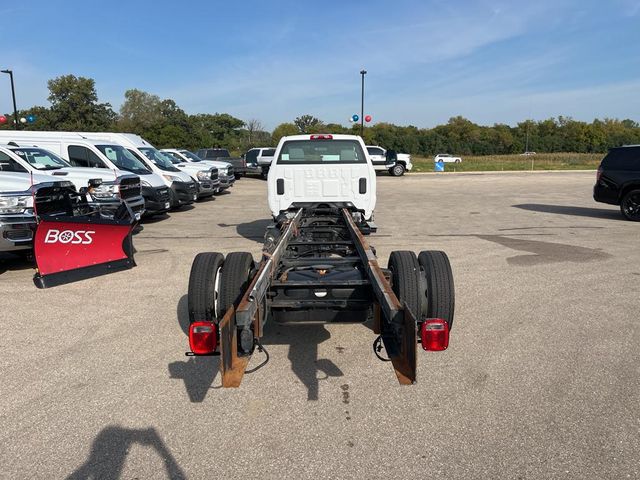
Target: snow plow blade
69, 247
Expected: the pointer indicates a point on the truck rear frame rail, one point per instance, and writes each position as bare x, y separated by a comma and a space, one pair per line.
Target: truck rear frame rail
317, 266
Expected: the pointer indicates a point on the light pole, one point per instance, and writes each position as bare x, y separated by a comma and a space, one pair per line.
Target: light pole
13, 94
363, 73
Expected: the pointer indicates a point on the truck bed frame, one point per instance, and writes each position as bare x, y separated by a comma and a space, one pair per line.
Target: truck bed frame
317, 266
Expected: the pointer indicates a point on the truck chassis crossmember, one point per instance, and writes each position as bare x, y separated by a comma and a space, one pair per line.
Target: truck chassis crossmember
317, 266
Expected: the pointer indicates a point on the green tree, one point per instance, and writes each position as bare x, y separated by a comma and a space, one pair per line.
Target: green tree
283, 130
75, 106
308, 124
140, 111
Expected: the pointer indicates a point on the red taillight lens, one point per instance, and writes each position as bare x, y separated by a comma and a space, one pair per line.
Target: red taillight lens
434, 335
599, 174
321, 137
202, 338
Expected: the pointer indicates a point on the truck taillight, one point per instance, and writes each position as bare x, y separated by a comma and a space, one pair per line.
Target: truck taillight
202, 338
321, 137
434, 335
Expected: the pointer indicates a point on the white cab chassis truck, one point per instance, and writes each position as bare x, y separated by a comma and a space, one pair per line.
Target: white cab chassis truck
317, 266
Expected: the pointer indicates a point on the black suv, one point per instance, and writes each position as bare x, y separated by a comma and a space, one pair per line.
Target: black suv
618, 181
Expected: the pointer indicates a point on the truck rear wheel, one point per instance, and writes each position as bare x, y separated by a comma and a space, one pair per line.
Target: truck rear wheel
234, 279
440, 294
405, 280
202, 295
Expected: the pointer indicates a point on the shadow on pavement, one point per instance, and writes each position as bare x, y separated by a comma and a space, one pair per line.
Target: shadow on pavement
155, 218
251, 230
198, 373
10, 261
569, 210
303, 341
109, 452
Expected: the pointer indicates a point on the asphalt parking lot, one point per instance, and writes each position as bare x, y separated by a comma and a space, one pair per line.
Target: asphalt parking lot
541, 380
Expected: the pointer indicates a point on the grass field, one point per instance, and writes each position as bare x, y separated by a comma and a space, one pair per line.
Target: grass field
541, 161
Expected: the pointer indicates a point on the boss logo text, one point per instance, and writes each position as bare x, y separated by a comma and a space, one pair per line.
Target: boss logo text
77, 237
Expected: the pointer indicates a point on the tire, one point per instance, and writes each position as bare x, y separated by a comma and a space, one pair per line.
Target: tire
405, 279
202, 284
440, 293
234, 280
397, 170
173, 200
265, 173
630, 205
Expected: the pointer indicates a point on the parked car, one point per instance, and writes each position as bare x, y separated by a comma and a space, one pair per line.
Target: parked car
225, 169
81, 151
446, 158
262, 157
618, 181
395, 163
240, 166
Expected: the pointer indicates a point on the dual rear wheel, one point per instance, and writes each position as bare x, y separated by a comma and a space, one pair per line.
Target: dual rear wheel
216, 283
424, 283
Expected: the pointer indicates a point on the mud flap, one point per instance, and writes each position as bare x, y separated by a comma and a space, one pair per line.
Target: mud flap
72, 248
400, 342
232, 366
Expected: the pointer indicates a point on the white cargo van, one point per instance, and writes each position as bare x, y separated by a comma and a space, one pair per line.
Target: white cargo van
105, 187
184, 189
81, 151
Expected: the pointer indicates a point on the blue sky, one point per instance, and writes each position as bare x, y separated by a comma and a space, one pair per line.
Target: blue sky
490, 61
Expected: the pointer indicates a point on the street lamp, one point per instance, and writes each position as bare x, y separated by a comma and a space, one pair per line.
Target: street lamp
363, 73
13, 94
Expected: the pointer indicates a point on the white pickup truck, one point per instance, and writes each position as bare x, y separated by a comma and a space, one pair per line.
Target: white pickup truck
321, 169
395, 163
262, 157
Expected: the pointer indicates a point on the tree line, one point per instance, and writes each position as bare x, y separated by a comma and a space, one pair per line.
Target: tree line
74, 105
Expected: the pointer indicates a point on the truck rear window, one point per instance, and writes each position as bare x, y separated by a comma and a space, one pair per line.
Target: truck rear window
321, 151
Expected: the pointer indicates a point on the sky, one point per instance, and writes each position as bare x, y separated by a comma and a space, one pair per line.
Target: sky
491, 61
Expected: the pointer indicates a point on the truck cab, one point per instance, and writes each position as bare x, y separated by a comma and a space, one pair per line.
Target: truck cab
323, 169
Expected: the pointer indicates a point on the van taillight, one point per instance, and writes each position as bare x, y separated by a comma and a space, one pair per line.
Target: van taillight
202, 338
599, 174
434, 335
